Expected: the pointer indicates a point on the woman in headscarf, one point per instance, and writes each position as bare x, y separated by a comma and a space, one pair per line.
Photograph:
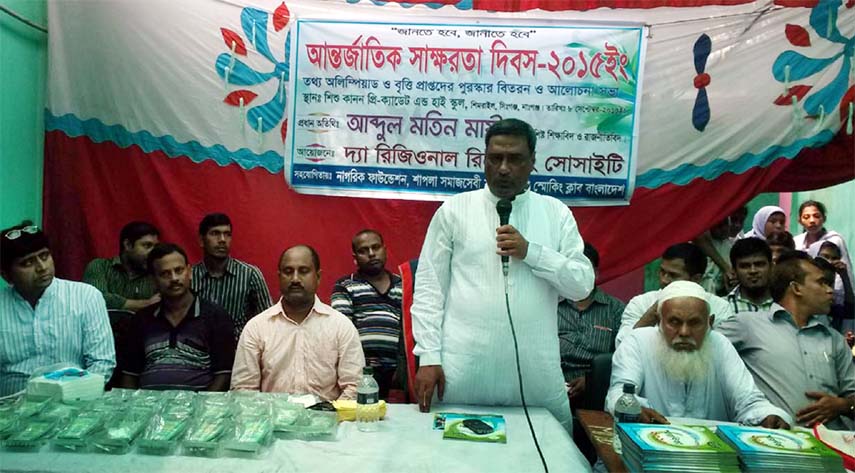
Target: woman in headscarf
769, 219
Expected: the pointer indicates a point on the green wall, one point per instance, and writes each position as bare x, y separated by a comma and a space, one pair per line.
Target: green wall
23, 74
840, 204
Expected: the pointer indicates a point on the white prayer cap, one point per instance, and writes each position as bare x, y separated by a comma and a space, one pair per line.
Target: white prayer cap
682, 289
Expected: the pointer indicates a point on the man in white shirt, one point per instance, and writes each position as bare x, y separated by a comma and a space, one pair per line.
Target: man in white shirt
681, 368
680, 262
460, 323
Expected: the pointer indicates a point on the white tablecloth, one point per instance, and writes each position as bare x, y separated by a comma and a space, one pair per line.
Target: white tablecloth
405, 443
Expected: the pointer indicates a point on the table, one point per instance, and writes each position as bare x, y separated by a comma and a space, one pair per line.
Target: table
599, 427
405, 443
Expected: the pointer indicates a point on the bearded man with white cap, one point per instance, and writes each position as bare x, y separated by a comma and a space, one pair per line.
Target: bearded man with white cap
681, 368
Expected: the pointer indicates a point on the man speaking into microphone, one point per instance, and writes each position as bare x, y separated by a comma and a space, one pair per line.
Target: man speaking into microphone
460, 321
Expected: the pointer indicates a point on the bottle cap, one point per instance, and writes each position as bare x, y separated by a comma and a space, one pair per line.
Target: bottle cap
629, 388
368, 370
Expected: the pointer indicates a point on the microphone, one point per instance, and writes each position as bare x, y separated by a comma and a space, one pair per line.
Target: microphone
503, 207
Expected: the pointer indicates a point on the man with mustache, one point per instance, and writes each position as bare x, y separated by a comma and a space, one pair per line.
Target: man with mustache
185, 342
681, 368
124, 279
45, 319
237, 287
680, 262
460, 319
751, 259
371, 298
299, 345
800, 363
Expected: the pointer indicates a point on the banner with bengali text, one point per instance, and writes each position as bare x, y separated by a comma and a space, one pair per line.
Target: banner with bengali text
400, 109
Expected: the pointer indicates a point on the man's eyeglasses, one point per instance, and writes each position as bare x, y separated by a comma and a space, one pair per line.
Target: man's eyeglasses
16, 233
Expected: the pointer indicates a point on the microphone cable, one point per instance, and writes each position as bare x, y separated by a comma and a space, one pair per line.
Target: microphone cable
519, 376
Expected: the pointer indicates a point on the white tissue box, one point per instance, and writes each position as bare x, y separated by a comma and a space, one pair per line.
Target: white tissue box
77, 385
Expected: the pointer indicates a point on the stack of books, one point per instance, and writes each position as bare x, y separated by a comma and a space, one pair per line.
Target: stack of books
683, 448
762, 449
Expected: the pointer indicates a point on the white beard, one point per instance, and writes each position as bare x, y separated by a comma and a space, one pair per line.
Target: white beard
684, 366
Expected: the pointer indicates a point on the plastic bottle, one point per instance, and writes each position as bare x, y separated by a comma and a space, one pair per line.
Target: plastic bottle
627, 410
367, 402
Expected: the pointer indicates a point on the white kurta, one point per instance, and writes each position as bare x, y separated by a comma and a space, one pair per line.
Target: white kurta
459, 315
728, 392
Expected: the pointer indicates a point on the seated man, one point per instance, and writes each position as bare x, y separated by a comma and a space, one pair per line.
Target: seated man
371, 298
184, 342
300, 345
800, 363
680, 262
124, 279
586, 328
681, 368
44, 319
752, 260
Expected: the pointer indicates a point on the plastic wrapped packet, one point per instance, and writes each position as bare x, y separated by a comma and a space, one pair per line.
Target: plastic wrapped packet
312, 426
33, 406
147, 398
77, 431
61, 411
286, 415
251, 405
205, 435
9, 415
250, 435
164, 433
31, 433
214, 409
120, 432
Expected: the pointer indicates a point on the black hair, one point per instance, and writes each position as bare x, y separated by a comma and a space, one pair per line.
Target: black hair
512, 127
213, 220
691, 254
784, 239
162, 249
828, 270
316, 260
749, 247
813, 203
364, 232
592, 255
832, 246
133, 231
28, 241
788, 270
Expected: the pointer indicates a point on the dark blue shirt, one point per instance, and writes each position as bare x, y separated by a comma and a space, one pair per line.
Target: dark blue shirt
186, 356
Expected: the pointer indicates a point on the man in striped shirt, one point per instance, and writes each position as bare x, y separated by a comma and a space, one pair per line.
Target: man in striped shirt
184, 342
232, 284
371, 299
586, 328
751, 258
46, 320
124, 280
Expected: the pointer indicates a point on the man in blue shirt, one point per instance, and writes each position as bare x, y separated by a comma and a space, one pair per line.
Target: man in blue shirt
46, 320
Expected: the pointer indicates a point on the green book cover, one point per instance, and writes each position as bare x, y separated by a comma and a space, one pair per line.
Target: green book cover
675, 438
754, 440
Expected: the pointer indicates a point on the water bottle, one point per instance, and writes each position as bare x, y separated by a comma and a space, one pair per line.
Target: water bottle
627, 410
367, 402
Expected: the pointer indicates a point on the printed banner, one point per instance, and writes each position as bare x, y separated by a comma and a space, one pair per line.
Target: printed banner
401, 109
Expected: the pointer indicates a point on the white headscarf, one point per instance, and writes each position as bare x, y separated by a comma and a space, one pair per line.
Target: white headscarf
758, 226
682, 289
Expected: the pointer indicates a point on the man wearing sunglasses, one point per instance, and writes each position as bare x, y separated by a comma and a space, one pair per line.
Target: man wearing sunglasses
46, 320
